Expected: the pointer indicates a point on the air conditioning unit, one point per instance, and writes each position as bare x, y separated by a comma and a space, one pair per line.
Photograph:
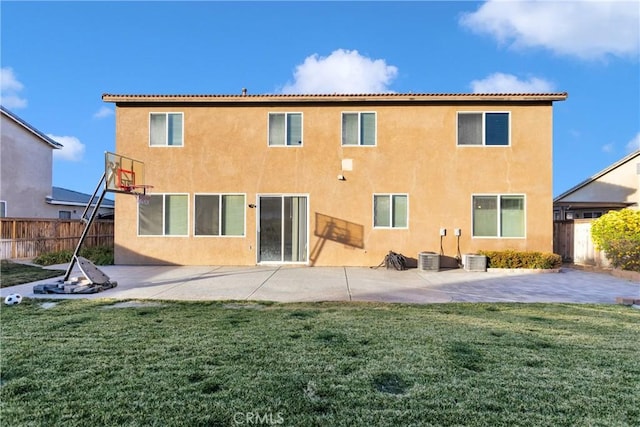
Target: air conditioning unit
428, 261
473, 262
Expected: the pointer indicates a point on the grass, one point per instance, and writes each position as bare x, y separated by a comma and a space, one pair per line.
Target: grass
95, 362
12, 273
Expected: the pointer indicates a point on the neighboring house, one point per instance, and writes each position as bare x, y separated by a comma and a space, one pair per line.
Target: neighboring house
333, 179
26, 191
70, 204
26, 156
616, 187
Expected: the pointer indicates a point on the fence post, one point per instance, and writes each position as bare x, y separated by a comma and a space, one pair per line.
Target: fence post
14, 246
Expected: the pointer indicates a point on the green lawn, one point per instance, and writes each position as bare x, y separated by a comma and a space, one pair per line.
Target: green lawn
12, 273
90, 363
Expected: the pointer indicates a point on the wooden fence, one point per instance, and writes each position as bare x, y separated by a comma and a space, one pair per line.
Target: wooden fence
572, 240
28, 237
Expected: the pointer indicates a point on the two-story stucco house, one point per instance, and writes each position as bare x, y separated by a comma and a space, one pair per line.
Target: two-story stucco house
26, 174
333, 179
26, 156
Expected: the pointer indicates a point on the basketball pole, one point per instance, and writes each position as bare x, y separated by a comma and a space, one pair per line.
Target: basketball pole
94, 213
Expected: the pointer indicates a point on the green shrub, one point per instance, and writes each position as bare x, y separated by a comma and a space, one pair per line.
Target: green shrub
51, 258
518, 259
99, 255
617, 233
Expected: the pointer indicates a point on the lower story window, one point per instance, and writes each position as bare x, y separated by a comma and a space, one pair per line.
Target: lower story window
498, 216
219, 215
390, 210
64, 214
164, 215
3, 209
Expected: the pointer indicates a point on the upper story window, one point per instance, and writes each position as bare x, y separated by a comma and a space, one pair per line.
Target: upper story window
285, 129
166, 129
483, 128
359, 128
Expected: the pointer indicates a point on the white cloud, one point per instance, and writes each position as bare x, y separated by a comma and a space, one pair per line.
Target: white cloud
508, 83
634, 144
72, 151
10, 89
584, 29
103, 112
344, 71
608, 148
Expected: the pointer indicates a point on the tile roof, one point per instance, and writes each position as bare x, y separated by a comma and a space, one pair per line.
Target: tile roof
388, 97
28, 127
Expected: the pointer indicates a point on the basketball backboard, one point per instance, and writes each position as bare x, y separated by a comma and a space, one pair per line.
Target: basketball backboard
124, 175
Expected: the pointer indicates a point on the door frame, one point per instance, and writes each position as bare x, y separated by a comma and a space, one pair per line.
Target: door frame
259, 211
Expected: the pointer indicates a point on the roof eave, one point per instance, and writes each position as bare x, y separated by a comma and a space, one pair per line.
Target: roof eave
592, 205
54, 144
70, 203
384, 97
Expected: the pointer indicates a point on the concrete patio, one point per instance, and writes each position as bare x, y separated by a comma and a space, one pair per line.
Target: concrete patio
301, 283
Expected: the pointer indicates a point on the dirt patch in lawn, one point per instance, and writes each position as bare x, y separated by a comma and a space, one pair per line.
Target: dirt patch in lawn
133, 304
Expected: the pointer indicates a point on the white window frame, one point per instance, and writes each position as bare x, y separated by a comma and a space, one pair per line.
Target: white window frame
3, 213
373, 211
499, 214
220, 195
359, 113
166, 144
286, 114
163, 235
484, 128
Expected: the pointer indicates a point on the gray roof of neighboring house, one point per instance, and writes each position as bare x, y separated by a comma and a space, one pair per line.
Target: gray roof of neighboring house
598, 175
30, 128
63, 196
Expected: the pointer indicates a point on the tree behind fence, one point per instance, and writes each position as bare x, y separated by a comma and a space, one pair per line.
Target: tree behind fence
28, 237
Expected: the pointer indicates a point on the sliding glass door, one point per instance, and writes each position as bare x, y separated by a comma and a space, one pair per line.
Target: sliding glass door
283, 229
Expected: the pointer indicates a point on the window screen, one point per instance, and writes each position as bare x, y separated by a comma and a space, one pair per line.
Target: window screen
469, 129
485, 216
350, 129
512, 216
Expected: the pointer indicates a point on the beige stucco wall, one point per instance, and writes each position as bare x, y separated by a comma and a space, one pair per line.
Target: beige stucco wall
225, 150
620, 185
25, 172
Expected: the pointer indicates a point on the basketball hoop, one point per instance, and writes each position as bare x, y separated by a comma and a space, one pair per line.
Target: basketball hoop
126, 176
140, 191
143, 199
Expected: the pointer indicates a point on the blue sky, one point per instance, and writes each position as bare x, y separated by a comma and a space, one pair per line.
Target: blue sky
58, 58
